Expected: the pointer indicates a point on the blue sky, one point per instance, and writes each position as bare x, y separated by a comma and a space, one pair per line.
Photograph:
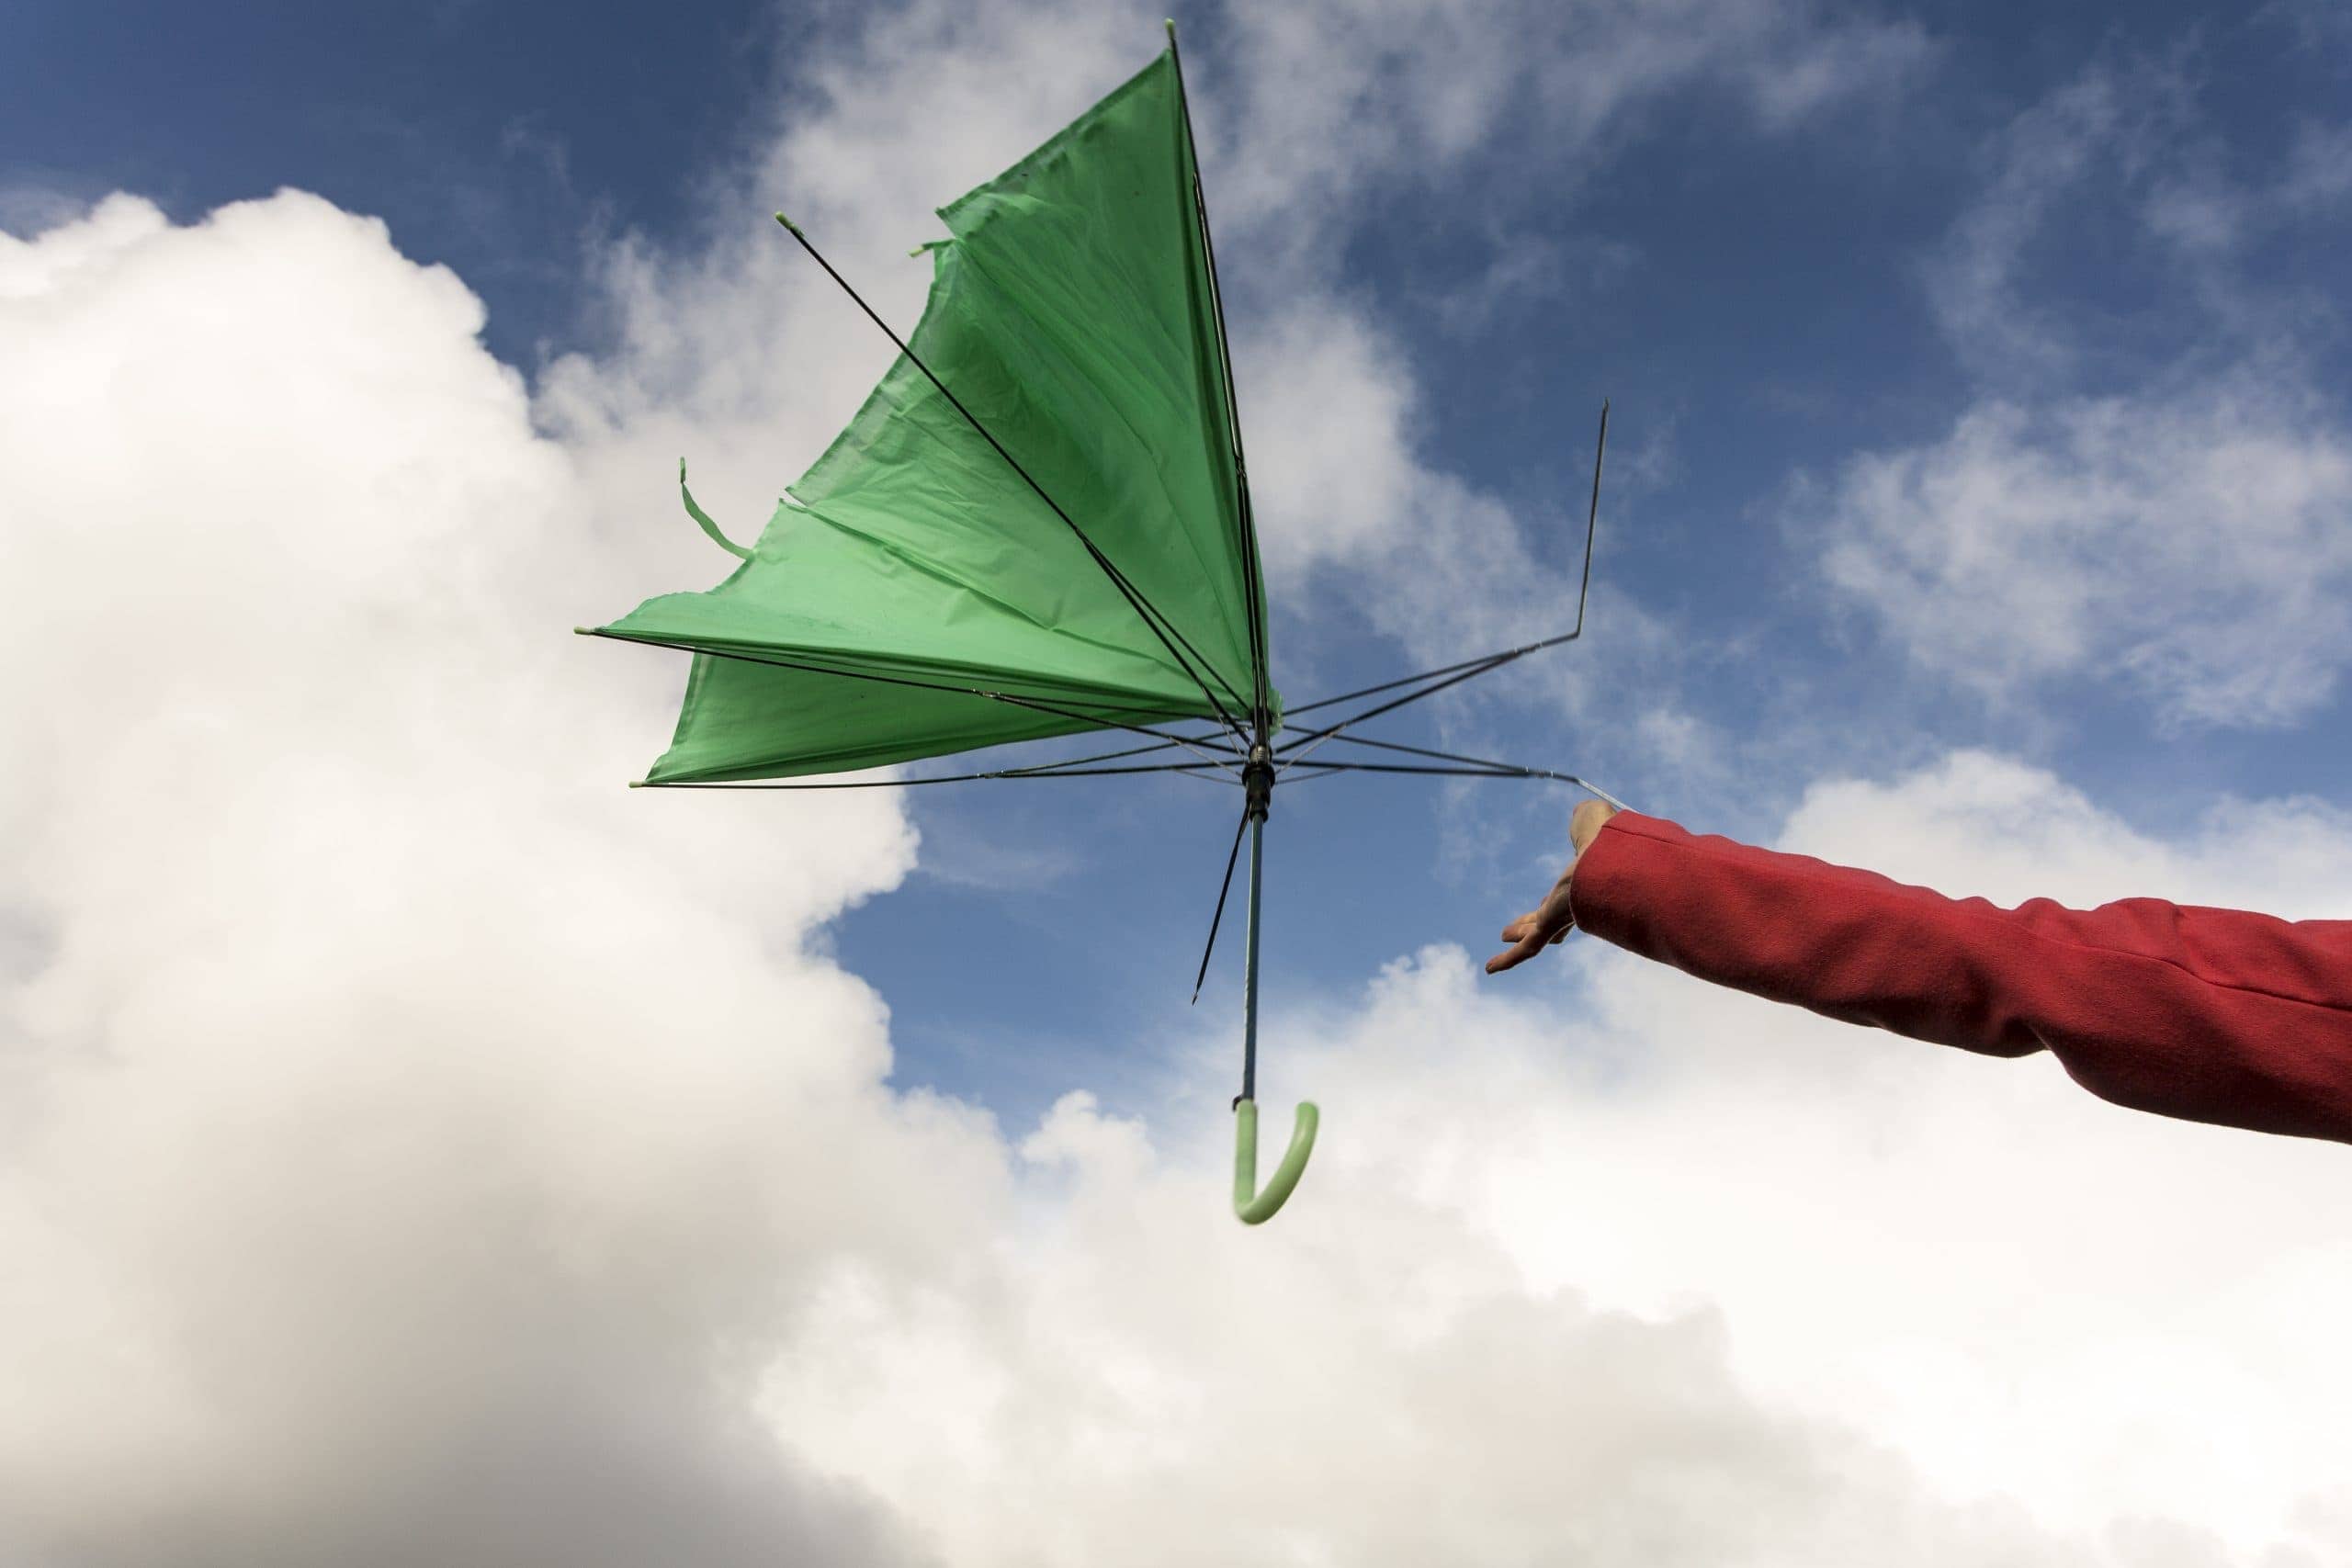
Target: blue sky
394, 1105
1754, 297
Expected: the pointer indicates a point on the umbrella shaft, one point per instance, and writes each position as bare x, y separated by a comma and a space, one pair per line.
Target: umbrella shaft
1250, 967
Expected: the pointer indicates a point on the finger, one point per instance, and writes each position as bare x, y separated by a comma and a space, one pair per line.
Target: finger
1526, 948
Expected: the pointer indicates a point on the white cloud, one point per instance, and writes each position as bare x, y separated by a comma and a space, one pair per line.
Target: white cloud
2094, 135
1817, 71
2028, 1293
1333, 475
1525, 272
2318, 25
2201, 209
1633, 1270
2318, 176
2191, 545
1334, 100
391, 1098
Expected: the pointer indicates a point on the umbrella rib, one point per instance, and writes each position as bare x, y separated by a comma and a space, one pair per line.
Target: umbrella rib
1424, 752
1481, 665
1251, 587
1192, 744
1429, 768
937, 779
1316, 737
1232, 855
1512, 770
1152, 617
1406, 681
1130, 751
1496, 772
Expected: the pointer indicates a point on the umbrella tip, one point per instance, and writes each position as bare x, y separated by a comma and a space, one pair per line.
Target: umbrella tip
636, 783
1171, 28
787, 223
583, 631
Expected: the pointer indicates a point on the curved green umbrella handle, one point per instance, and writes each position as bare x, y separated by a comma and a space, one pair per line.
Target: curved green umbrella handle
1253, 1206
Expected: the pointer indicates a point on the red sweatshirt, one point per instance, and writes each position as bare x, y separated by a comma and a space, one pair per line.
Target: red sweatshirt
2214, 1015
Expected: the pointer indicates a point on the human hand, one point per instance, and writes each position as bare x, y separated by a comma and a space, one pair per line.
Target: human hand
1550, 921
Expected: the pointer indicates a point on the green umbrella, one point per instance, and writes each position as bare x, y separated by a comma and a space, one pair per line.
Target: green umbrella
1038, 524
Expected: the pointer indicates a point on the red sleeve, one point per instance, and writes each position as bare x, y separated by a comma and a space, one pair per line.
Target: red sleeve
2214, 1015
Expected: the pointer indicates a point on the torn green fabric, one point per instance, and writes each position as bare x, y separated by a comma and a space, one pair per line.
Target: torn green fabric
1071, 312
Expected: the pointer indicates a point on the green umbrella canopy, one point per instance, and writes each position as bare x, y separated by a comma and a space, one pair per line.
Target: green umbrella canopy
919, 564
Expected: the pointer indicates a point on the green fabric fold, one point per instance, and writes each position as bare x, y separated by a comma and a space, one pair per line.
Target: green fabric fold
699, 515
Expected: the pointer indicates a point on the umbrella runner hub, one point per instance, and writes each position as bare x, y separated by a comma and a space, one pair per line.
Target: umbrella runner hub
1258, 781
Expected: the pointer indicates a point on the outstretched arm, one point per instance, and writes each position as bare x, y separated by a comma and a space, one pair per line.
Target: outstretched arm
2212, 1015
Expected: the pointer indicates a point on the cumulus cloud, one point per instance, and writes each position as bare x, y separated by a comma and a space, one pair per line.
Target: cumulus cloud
392, 1164
1873, 1300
